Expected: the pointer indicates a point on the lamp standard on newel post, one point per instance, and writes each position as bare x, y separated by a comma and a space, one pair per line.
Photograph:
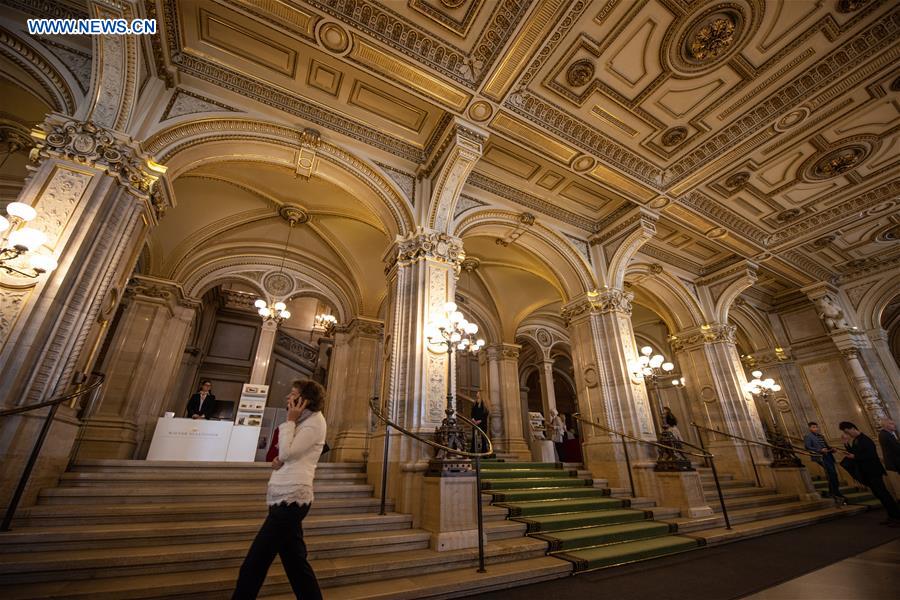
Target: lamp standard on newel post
651, 367
453, 331
783, 453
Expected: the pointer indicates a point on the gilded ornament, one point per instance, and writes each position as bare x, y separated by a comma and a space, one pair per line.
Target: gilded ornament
849, 6
278, 284
580, 73
737, 179
891, 234
713, 39
583, 163
787, 215
333, 37
895, 84
296, 215
480, 111
453, 3
840, 160
674, 136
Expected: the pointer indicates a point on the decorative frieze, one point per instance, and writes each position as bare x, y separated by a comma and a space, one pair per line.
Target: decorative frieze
431, 245
710, 333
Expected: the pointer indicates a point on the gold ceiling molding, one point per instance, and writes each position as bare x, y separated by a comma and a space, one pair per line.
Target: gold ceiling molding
293, 15
413, 76
506, 123
458, 26
620, 183
530, 36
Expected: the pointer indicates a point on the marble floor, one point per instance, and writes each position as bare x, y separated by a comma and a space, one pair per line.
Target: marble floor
871, 575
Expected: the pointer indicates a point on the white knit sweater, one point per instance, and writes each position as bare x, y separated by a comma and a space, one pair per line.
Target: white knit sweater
299, 448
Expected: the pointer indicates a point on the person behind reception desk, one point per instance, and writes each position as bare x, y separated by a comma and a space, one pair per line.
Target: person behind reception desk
289, 496
203, 403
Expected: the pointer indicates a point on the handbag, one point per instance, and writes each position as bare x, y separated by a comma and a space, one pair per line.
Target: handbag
325, 449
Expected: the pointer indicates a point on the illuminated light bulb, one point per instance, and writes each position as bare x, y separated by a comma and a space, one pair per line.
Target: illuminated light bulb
4, 224
27, 238
260, 303
768, 382
675, 382
756, 374
285, 314
43, 264
776, 388
24, 211
455, 337
644, 360
471, 328
480, 343
456, 317
263, 311
667, 366
656, 361
646, 350
450, 307
279, 306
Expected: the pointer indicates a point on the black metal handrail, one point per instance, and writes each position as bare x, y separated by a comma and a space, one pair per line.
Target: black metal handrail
54, 404
706, 455
477, 456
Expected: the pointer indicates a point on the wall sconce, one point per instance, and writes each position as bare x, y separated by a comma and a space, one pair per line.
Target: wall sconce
22, 240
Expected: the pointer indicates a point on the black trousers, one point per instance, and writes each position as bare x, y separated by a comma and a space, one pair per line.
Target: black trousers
834, 486
281, 534
878, 489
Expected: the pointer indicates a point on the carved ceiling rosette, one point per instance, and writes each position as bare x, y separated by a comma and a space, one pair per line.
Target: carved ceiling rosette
580, 73
837, 161
701, 41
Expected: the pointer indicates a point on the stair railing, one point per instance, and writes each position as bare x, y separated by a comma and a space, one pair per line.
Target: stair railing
786, 455
667, 449
477, 456
93, 388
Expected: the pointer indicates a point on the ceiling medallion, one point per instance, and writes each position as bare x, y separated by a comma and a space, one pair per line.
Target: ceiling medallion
580, 73
891, 234
787, 215
293, 214
716, 233
480, 111
713, 40
791, 119
837, 162
278, 284
660, 202
895, 85
737, 180
849, 6
333, 37
824, 241
583, 163
674, 136
453, 3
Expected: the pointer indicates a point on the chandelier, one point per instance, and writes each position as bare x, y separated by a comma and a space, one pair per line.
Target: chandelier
18, 240
278, 312
761, 387
325, 321
650, 366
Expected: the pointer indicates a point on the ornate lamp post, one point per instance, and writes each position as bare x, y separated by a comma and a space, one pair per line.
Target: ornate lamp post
783, 453
651, 367
454, 332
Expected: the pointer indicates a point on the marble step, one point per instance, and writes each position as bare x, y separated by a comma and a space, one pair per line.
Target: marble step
197, 493
97, 563
710, 486
331, 572
169, 466
758, 527
740, 492
749, 515
460, 583
750, 502
105, 478
104, 512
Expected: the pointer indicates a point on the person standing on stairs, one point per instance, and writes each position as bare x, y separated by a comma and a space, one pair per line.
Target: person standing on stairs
479, 416
871, 472
671, 422
890, 450
289, 496
815, 442
557, 432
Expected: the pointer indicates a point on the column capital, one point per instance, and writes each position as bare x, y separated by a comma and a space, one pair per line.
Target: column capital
767, 357
709, 333
426, 244
362, 327
116, 154
144, 288
503, 351
605, 300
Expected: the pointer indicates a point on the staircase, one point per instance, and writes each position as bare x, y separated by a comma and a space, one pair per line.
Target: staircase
754, 510
576, 515
855, 494
141, 529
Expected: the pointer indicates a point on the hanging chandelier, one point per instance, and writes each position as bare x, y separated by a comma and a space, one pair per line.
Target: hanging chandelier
18, 240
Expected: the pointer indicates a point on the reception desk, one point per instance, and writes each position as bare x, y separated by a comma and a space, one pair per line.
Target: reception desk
201, 440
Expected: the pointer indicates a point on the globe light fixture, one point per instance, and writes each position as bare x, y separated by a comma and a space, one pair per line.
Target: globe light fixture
17, 240
278, 312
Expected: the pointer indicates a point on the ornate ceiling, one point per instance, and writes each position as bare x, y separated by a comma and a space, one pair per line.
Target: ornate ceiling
763, 130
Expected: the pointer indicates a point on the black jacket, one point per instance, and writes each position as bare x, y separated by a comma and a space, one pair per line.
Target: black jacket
890, 448
866, 458
479, 413
206, 411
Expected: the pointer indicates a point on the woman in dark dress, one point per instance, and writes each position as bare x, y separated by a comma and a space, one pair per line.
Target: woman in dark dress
479, 415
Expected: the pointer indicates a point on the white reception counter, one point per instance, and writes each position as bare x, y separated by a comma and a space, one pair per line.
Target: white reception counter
197, 439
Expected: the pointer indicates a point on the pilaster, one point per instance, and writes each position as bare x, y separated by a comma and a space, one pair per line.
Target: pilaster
512, 439
548, 393
142, 366
263, 354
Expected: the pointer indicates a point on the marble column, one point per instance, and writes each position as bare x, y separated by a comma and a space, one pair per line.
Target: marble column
548, 392
263, 355
512, 439
97, 195
351, 384
490, 393
603, 343
714, 377
885, 371
142, 366
422, 269
867, 393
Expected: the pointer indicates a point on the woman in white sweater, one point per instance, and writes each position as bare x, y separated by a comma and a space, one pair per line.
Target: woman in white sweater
289, 496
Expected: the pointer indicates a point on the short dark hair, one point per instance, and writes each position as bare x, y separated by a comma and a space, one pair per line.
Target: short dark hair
204, 382
312, 392
845, 425
811, 423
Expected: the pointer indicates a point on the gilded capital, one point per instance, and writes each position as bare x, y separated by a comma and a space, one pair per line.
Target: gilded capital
710, 333
87, 143
431, 245
604, 301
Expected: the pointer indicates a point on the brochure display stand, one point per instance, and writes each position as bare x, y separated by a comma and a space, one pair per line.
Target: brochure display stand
247, 423
541, 448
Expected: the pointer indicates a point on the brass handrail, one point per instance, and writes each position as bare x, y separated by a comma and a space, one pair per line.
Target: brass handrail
54, 404
706, 455
476, 455
749, 441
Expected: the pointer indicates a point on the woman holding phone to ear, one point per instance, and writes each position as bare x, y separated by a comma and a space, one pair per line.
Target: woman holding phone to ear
289, 496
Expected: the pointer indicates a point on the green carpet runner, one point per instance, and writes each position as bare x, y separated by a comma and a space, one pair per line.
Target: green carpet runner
581, 523
853, 493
